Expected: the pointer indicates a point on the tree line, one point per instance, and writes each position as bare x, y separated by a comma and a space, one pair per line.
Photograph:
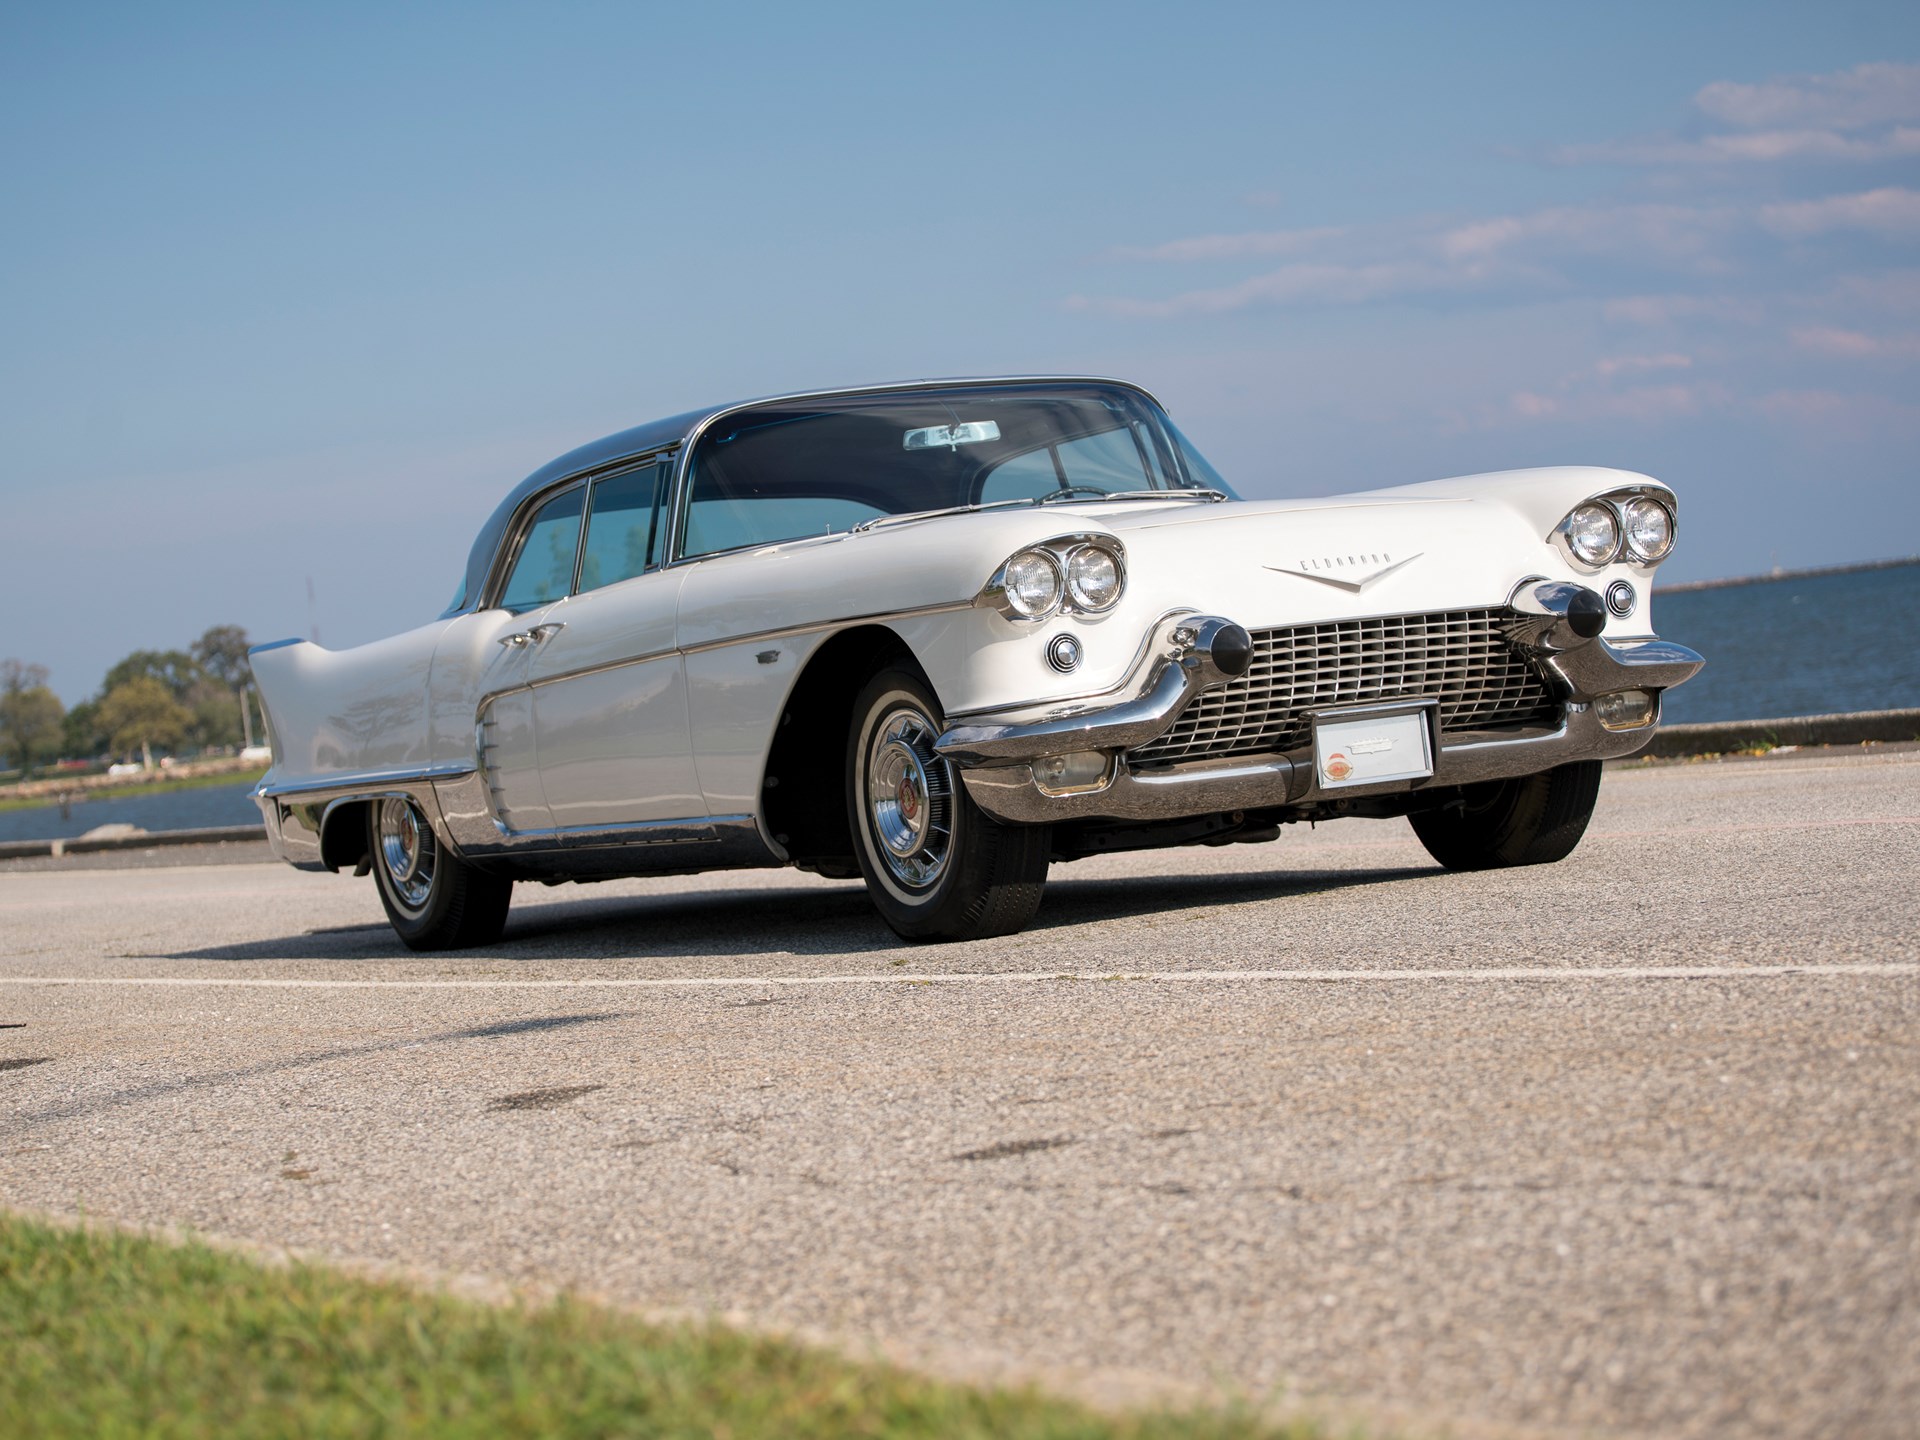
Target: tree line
165, 701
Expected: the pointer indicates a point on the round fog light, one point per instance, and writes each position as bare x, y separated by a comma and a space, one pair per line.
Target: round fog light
1625, 710
1063, 653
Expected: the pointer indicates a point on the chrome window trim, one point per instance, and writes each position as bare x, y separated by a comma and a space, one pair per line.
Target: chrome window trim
677, 537
508, 554
522, 528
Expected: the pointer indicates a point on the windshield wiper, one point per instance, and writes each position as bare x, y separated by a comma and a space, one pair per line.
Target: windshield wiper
1054, 497
877, 521
1067, 497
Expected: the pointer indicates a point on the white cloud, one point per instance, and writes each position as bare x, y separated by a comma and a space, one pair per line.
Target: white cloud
1887, 290
1291, 284
1672, 231
1856, 344
1878, 93
1671, 309
1642, 404
1231, 247
1756, 147
1891, 210
1797, 117
1426, 256
1627, 364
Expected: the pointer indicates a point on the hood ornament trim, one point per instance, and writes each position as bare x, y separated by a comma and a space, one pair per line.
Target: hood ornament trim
1356, 577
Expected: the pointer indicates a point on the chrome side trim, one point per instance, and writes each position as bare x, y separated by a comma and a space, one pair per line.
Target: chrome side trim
396, 781
701, 842
785, 632
754, 637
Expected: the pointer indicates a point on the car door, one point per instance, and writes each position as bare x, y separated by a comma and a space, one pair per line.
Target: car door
482, 700
609, 688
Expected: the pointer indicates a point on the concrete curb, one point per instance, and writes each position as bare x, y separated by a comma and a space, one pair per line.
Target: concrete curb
145, 840
1721, 737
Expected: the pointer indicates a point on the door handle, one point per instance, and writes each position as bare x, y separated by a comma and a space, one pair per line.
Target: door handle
537, 635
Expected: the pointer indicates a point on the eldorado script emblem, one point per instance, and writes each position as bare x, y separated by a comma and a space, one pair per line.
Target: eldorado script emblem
1348, 572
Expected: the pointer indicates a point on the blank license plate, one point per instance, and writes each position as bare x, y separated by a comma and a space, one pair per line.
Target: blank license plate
1371, 749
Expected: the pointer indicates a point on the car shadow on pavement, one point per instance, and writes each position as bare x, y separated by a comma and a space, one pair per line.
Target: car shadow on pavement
836, 920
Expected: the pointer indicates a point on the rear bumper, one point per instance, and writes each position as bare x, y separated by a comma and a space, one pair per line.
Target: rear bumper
997, 760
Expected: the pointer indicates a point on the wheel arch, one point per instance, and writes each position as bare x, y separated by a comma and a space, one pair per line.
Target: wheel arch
803, 784
343, 834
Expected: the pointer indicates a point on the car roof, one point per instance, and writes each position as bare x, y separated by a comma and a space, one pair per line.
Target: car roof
657, 435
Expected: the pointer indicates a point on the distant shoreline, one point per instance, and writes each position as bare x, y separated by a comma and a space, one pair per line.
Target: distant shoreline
1849, 569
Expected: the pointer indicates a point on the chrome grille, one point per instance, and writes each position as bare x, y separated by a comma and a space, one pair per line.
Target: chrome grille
1460, 657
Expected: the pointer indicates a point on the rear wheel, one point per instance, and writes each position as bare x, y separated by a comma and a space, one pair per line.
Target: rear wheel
435, 900
1528, 820
936, 865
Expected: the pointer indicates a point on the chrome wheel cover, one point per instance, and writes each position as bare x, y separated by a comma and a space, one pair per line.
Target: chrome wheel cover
407, 853
909, 793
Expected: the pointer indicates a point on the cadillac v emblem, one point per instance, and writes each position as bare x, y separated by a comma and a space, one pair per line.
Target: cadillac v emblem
1348, 572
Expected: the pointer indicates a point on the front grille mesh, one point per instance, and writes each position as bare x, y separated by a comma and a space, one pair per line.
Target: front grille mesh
1460, 657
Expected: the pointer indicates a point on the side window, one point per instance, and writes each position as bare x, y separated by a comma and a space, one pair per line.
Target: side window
623, 525
544, 571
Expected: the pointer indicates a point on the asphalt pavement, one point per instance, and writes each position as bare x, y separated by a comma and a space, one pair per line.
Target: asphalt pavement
1624, 1145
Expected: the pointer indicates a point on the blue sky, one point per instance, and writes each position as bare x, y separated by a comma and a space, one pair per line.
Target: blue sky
295, 293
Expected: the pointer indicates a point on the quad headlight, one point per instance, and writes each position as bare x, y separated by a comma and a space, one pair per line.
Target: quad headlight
1628, 525
1032, 584
1593, 534
1078, 574
1093, 577
1649, 526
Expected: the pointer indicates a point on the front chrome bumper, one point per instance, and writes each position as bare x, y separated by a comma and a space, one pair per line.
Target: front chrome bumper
997, 759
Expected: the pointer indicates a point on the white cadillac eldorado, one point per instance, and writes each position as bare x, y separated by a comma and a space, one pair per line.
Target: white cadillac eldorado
943, 635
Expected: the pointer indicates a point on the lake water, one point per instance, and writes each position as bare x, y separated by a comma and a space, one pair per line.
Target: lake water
182, 810
1811, 645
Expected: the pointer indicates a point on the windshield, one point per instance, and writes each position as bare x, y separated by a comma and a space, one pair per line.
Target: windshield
791, 469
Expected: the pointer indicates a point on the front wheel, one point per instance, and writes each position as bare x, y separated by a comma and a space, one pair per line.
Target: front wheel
1528, 820
936, 865
435, 900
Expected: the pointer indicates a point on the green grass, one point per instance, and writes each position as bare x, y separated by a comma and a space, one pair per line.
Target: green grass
133, 789
107, 1335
